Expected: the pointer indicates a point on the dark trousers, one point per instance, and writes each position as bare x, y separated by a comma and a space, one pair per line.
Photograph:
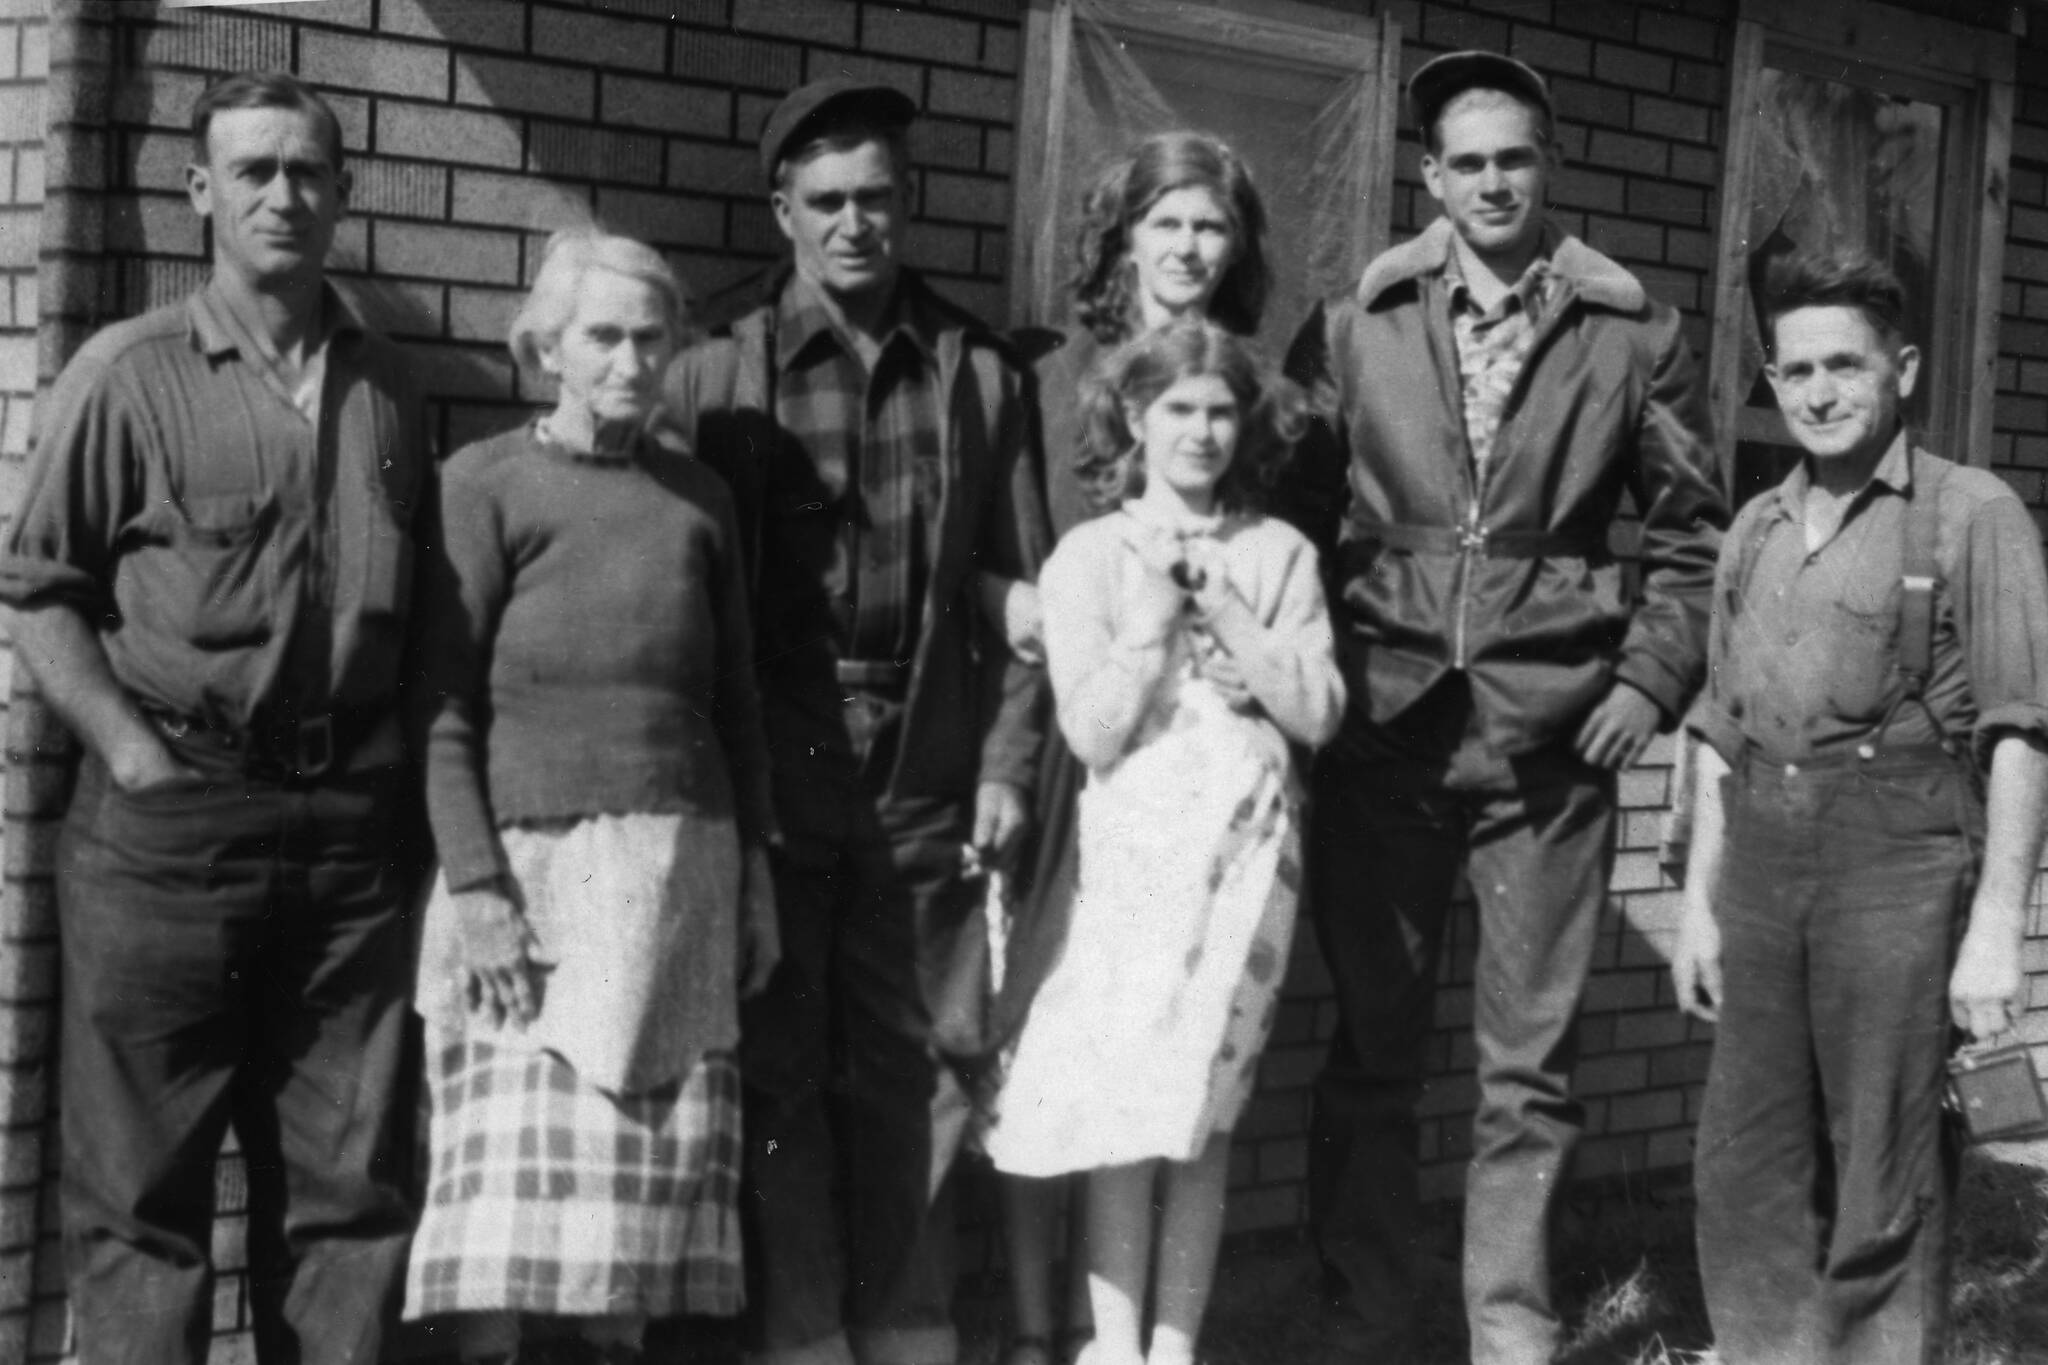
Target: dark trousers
236, 953
1825, 1170
1391, 830
850, 1115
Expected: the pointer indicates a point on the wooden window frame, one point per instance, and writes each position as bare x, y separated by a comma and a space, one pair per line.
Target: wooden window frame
1969, 71
1319, 39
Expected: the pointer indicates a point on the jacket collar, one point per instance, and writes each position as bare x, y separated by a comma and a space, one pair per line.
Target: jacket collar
1581, 271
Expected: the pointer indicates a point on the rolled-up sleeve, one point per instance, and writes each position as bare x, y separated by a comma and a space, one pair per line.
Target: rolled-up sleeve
60, 548
1713, 716
2002, 616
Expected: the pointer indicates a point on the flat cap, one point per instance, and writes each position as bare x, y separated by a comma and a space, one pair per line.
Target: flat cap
1441, 78
804, 107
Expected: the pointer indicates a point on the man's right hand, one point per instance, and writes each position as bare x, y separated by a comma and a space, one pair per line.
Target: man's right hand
1696, 962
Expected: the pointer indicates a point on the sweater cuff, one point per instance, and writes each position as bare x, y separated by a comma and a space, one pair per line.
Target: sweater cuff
473, 864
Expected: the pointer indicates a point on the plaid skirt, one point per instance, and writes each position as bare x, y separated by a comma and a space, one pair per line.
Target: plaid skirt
546, 1195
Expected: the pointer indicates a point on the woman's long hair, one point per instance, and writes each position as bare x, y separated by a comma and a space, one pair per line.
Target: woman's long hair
1105, 281
1272, 411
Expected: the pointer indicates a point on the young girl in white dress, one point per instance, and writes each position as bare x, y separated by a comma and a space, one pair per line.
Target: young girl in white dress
1189, 645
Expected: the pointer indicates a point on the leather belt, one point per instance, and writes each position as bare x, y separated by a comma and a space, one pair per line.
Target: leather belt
876, 675
1505, 544
298, 748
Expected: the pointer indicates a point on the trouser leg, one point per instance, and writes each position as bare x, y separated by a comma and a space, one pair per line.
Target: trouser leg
156, 931
1756, 1169
326, 1102
901, 1310
1882, 947
790, 1206
1539, 868
839, 1084
1382, 865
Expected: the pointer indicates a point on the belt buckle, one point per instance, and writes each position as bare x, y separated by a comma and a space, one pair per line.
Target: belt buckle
1472, 538
313, 746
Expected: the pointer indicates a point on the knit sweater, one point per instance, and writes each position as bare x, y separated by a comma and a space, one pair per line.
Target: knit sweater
586, 648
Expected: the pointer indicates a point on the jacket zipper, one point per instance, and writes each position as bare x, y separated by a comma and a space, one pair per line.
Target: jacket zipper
1472, 535
1471, 542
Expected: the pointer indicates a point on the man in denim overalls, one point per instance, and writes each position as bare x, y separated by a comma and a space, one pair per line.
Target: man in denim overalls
1870, 809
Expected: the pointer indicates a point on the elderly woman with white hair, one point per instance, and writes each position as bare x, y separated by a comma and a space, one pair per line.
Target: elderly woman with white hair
596, 777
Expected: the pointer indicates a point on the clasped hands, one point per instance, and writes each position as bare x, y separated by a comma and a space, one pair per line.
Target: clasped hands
1188, 578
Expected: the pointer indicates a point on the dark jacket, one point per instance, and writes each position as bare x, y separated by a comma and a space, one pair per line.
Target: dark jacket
1512, 581
1060, 361
973, 711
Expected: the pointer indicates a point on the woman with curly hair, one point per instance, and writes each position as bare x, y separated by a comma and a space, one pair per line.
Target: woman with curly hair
1189, 645
1175, 228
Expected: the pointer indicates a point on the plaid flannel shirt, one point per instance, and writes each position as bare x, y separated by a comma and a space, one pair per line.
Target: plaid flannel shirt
872, 439
1493, 347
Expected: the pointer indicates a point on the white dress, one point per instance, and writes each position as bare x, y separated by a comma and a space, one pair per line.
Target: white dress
1145, 1037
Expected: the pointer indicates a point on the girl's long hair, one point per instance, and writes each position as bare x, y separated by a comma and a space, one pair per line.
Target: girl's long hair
1272, 411
1105, 281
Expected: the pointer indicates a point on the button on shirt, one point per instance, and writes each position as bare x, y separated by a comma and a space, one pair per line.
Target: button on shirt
856, 490
240, 539
1802, 661
1493, 346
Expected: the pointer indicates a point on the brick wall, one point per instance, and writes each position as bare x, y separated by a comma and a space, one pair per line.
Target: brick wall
27, 1013
476, 126
2020, 443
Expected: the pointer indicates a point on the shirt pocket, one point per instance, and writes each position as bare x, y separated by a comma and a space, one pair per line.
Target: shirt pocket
1858, 648
208, 572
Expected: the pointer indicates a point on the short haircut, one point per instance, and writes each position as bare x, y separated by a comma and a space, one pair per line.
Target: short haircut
1105, 299
569, 256
1433, 134
843, 135
1273, 412
1841, 279
263, 90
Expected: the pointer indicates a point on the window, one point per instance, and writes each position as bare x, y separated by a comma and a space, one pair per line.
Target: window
1305, 95
1861, 126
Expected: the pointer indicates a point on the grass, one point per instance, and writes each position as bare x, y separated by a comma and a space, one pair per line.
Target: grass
1629, 1288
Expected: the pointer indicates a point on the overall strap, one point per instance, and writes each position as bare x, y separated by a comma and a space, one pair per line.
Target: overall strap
1919, 588
1920, 577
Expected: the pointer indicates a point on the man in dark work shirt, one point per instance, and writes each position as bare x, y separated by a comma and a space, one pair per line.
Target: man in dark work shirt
211, 569
875, 444
1869, 815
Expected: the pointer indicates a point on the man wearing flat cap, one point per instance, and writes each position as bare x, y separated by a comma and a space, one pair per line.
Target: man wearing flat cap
1487, 399
875, 442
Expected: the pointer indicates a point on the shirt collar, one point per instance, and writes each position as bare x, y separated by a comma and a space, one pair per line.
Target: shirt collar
1533, 288
1894, 473
213, 326
802, 317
